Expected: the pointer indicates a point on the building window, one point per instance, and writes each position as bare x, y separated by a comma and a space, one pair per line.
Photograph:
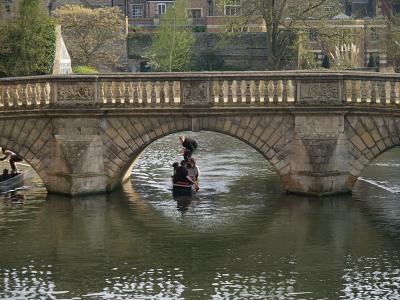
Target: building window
210, 8
232, 8
137, 11
329, 9
396, 9
194, 13
8, 9
161, 8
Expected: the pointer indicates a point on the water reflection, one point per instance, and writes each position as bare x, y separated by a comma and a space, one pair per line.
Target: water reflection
240, 239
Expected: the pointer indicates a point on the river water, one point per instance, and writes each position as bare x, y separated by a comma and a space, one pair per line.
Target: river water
240, 237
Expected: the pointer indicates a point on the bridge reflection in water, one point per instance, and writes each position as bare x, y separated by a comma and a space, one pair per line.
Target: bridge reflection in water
319, 130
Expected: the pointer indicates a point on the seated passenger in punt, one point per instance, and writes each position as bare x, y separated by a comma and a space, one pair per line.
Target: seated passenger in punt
181, 174
5, 176
194, 172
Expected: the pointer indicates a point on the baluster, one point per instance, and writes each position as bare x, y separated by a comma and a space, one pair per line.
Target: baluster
40, 94
271, 89
229, 84
290, 91
215, 91
276, 92
159, 92
373, 92
220, 92
369, 89
348, 87
353, 91
24, 95
382, 92
119, 92
261, 91
252, 87
142, 93
8, 97
103, 92
167, 92
36, 95
243, 90
130, 92
171, 92
248, 91
387, 92
225, 91
1, 96
392, 93
177, 92
111, 91
284, 91
126, 94
239, 91
47, 93
358, 90
149, 92
137, 93
28, 95
153, 98
363, 91
254, 91
234, 88
17, 100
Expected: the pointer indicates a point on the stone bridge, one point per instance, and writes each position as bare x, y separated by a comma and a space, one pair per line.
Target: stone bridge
319, 130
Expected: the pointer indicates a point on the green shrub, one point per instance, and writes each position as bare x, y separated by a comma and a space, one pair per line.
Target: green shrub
27, 42
199, 29
84, 70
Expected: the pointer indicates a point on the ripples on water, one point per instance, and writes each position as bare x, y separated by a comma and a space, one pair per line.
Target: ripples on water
241, 237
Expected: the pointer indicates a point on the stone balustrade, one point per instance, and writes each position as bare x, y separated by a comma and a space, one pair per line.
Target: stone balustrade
201, 89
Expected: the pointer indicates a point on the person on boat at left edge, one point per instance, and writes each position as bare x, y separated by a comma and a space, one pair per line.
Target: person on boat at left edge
13, 158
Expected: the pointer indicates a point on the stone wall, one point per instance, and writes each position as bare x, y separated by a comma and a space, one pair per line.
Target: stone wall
243, 51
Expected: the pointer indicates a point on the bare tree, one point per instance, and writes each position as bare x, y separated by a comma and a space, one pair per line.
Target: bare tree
92, 35
282, 20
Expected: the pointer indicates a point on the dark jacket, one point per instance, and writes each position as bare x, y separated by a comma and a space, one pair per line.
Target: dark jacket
190, 144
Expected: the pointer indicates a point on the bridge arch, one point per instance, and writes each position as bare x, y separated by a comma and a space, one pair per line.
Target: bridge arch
125, 138
31, 139
369, 136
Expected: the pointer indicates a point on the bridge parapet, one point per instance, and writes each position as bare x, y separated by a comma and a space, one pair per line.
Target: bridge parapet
158, 90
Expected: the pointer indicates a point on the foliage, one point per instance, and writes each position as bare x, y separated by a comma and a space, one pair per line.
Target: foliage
199, 29
392, 40
171, 49
92, 35
345, 56
84, 70
27, 42
283, 20
306, 59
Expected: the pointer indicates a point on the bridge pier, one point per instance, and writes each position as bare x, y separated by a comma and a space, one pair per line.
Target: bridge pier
320, 156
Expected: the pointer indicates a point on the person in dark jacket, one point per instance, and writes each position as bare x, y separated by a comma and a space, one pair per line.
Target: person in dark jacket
190, 145
182, 174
